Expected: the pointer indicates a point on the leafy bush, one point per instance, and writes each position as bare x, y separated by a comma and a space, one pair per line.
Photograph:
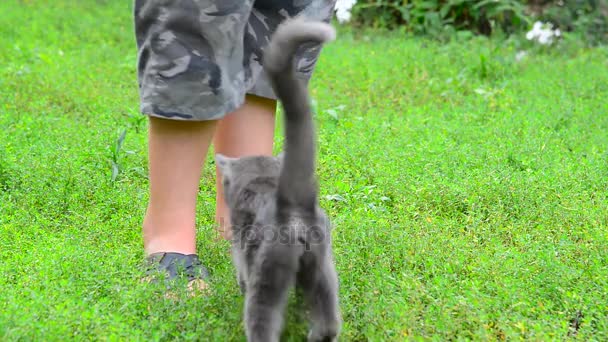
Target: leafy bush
435, 16
440, 18
589, 18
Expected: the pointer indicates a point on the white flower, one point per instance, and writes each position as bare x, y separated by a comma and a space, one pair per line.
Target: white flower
530, 35
343, 8
520, 55
544, 38
536, 30
543, 33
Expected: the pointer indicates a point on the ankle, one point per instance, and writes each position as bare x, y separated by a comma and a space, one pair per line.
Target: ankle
163, 246
176, 238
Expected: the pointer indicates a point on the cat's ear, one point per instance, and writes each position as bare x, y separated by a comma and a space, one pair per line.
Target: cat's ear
223, 164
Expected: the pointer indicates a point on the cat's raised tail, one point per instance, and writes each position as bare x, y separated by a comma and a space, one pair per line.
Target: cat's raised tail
297, 186
288, 37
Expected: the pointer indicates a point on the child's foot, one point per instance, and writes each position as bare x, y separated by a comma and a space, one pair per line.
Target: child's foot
176, 265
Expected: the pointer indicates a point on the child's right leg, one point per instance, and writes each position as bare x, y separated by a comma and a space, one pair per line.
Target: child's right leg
177, 151
190, 73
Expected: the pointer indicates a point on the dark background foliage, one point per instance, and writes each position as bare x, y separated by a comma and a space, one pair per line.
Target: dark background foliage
588, 18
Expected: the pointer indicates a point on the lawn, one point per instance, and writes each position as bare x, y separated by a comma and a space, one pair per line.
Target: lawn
468, 190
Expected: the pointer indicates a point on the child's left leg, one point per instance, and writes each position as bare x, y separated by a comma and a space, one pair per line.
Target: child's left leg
247, 131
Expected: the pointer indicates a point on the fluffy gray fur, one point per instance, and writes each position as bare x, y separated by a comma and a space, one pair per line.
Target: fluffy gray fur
281, 237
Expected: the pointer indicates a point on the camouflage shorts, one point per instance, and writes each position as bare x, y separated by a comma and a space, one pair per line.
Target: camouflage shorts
198, 58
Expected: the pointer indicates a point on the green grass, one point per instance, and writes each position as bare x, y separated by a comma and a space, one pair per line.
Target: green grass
469, 191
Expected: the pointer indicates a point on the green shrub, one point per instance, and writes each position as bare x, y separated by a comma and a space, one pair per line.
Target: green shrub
436, 16
589, 18
440, 18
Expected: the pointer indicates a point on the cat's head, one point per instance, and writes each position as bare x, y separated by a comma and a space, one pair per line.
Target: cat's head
246, 177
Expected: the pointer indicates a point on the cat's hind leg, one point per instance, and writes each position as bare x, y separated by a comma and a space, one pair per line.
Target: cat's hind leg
270, 279
319, 284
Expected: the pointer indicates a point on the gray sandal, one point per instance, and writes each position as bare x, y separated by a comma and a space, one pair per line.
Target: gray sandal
176, 265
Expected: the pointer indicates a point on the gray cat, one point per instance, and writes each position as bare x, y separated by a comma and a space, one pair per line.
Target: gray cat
281, 237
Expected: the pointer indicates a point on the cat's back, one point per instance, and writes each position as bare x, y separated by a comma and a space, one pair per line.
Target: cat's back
293, 226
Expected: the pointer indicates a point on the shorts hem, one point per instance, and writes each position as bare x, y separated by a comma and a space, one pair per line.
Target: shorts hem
186, 115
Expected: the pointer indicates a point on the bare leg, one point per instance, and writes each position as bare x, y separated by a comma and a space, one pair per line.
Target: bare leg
177, 151
244, 132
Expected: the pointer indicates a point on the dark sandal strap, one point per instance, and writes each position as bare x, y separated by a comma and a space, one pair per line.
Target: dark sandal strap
177, 264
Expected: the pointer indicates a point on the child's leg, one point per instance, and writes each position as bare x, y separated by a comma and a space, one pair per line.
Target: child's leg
246, 131
177, 151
